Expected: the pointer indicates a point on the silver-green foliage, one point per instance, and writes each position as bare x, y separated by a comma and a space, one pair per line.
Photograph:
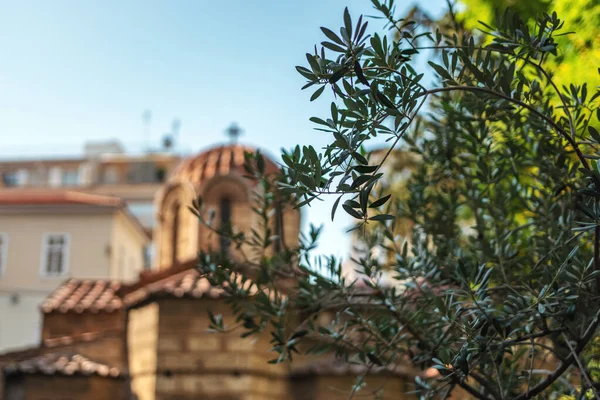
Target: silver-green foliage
502, 265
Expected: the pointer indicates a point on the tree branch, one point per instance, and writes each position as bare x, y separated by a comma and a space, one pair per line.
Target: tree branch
530, 108
550, 379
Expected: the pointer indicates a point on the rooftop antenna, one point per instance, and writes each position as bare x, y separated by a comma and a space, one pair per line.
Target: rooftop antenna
170, 138
234, 132
175, 128
146, 120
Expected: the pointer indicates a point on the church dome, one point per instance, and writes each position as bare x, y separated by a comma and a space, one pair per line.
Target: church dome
217, 176
217, 161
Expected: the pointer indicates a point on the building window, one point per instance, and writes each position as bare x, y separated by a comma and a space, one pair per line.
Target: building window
70, 177
3, 252
10, 179
160, 174
111, 175
22, 177
225, 212
175, 233
55, 254
147, 256
143, 211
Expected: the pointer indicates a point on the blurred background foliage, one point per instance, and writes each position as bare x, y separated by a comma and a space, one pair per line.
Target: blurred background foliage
578, 54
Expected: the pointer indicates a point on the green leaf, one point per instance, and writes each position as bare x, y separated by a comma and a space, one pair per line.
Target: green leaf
260, 162
305, 72
594, 132
337, 75
360, 158
359, 74
334, 47
312, 61
379, 202
381, 98
299, 334
347, 21
440, 70
317, 93
374, 359
332, 36
360, 180
365, 169
352, 203
335, 206
382, 217
351, 211
318, 121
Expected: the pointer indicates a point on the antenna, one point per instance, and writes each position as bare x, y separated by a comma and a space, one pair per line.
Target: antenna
146, 120
175, 128
170, 138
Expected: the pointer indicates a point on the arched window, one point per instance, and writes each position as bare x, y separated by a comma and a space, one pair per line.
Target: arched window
175, 233
225, 214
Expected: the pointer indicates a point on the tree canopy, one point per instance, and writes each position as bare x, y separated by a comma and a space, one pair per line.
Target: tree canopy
496, 282
578, 53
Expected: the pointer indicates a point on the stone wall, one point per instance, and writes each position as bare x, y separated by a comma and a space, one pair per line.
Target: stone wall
195, 363
42, 387
73, 324
142, 337
109, 350
331, 387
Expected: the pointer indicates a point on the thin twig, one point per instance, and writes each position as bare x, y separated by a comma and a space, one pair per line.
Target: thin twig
582, 368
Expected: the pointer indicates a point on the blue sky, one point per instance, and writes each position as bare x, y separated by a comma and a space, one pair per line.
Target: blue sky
72, 71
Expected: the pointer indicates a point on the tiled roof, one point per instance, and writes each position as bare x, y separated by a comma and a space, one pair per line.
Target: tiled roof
188, 283
66, 364
56, 197
19, 354
217, 161
108, 296
84, 295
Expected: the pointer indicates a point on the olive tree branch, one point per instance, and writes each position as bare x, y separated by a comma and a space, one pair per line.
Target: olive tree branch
580, 365
530, 108
556, 374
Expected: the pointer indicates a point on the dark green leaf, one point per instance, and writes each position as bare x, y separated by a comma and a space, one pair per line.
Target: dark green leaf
380, 202
317, 93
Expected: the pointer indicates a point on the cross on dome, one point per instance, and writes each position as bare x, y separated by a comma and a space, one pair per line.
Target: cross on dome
234, 132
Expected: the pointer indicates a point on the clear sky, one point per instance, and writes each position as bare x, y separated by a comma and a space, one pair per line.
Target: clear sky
79, 70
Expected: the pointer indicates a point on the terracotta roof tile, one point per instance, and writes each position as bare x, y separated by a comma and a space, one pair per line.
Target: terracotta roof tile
84, 295
66, 364
183, 284
220, 160
46, 197
107, 296
19, 354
